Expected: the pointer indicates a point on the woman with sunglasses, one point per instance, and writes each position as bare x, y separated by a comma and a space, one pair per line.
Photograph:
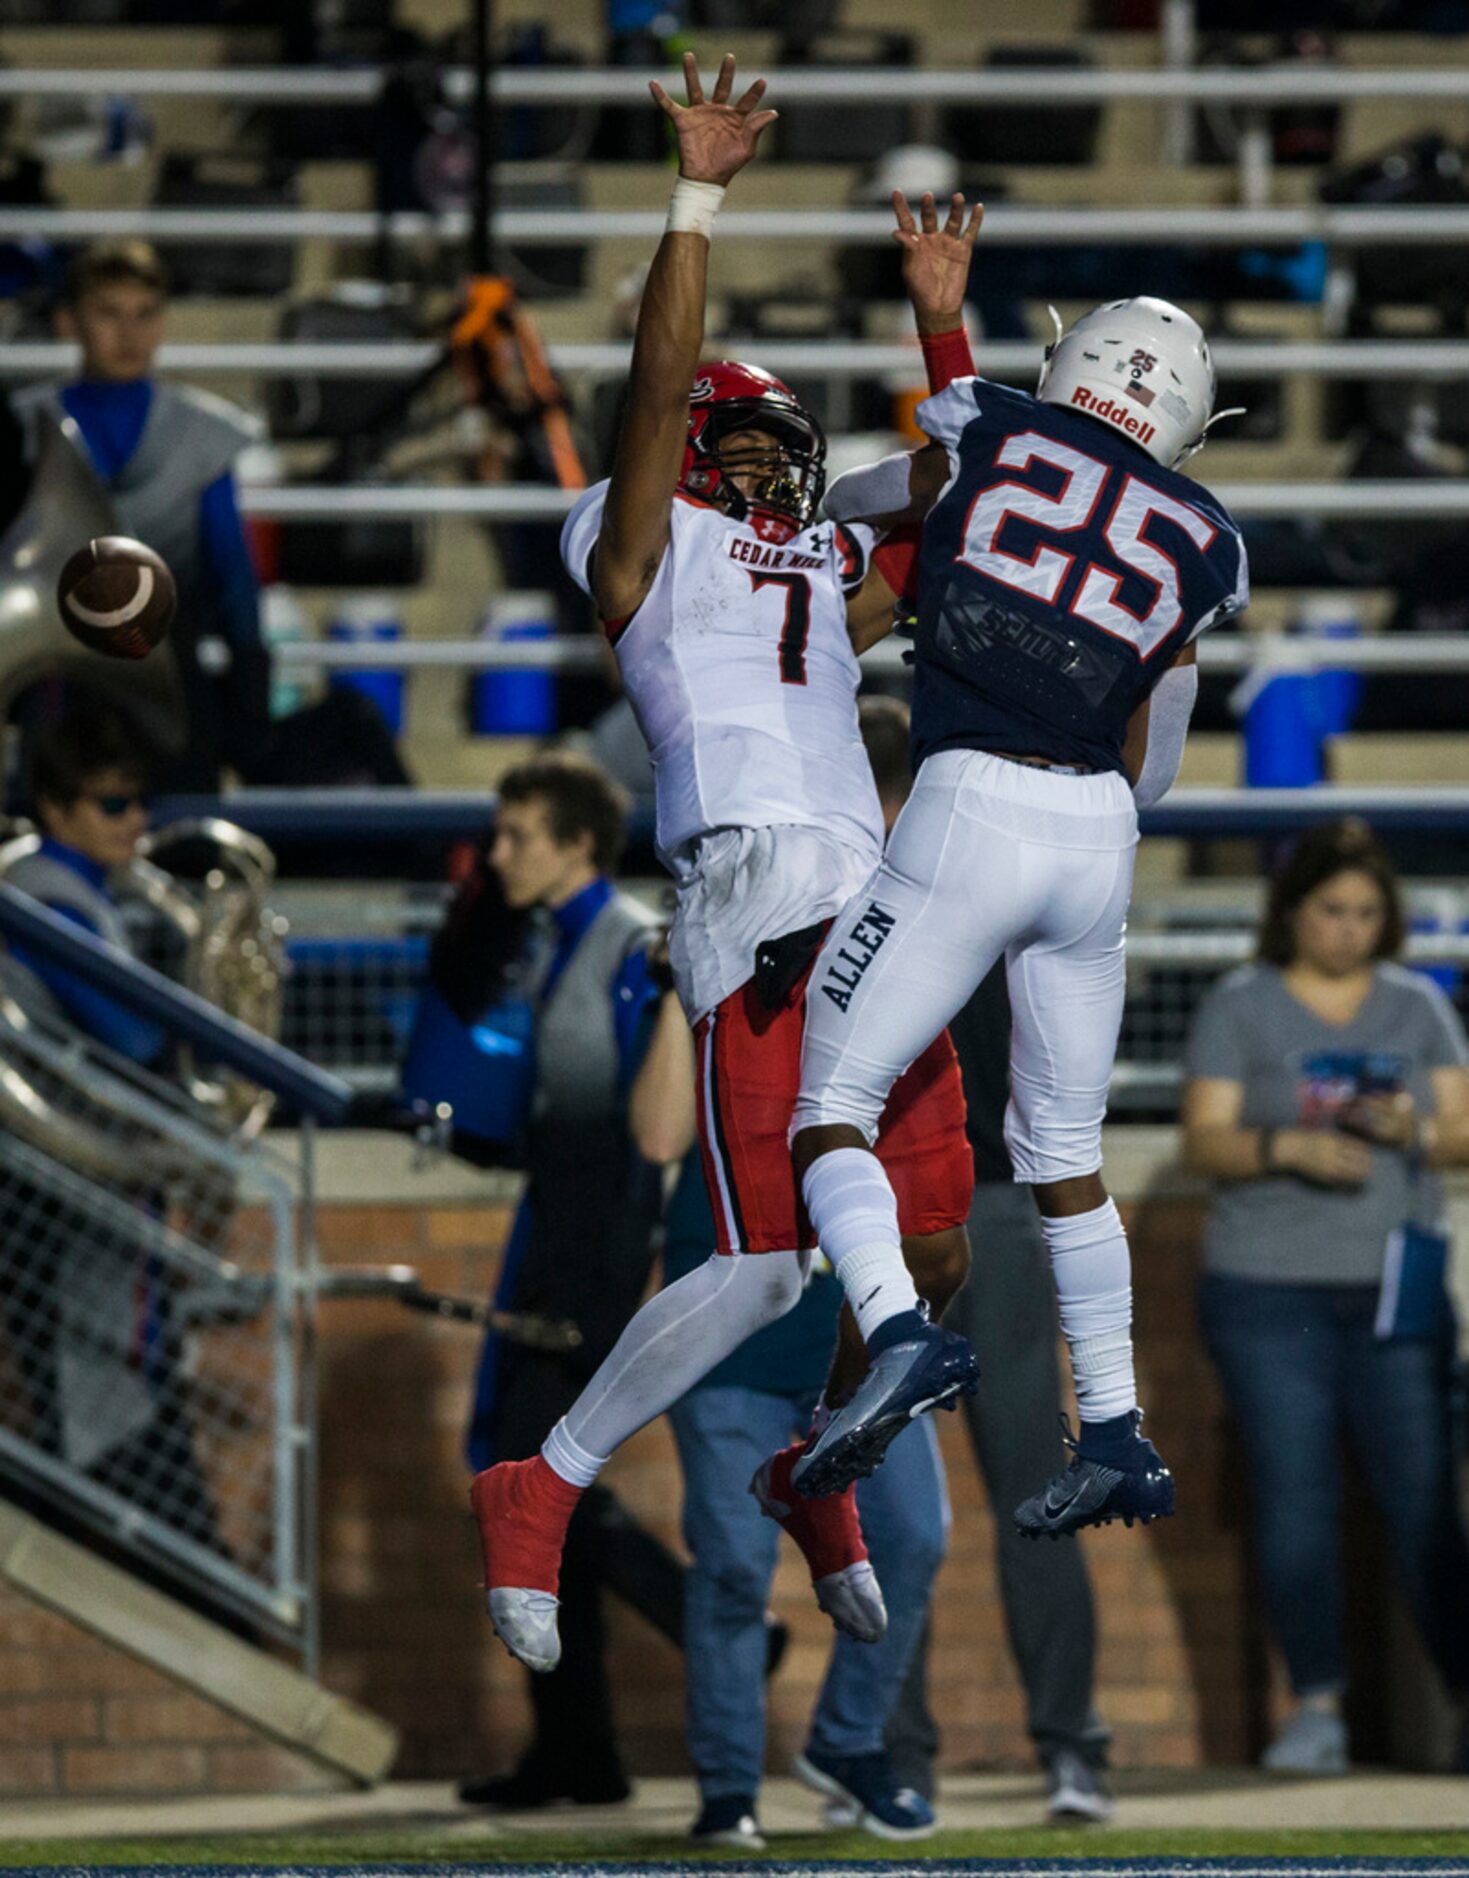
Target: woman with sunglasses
86, 787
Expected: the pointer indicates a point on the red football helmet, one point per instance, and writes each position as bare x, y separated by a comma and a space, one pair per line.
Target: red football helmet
729, 397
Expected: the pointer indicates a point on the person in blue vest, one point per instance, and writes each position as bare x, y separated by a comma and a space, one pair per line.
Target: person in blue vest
536, 1018
87, 1300
166, 455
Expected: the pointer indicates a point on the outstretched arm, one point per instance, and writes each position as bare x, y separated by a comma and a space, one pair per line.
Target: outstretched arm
715, 141
936, 263
901, 489
898, 492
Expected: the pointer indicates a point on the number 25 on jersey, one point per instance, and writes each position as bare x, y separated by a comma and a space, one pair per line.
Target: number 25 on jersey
1121, 544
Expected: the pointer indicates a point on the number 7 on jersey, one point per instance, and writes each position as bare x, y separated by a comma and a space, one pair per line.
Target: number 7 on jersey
796, 628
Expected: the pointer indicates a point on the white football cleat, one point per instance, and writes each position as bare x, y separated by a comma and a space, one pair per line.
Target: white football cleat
525, 1622
852, 1599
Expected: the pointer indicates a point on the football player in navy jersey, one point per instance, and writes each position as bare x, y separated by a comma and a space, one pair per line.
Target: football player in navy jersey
1064, 574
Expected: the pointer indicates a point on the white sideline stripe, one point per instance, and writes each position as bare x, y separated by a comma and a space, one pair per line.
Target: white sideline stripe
978, 1867
123, 615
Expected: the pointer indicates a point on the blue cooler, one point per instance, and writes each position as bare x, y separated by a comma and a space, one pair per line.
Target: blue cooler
1339, 694
1290, 717
520, 702
1282, 734
371, 617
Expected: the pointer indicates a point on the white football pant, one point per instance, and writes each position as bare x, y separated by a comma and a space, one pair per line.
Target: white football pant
989, 859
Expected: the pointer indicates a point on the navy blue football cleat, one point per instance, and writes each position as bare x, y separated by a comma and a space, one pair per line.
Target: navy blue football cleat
1131, 1484
906, 1380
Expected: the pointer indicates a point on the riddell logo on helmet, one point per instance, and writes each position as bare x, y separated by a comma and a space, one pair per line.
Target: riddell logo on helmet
1114, 413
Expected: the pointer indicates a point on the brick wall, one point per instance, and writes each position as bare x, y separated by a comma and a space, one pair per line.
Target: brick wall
404, 1628
403, 1621
80, 1717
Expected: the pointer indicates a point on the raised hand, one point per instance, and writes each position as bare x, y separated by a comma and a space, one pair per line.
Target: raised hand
716, 139
936, 260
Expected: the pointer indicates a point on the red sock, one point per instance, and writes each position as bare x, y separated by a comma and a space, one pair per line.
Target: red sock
523, 1509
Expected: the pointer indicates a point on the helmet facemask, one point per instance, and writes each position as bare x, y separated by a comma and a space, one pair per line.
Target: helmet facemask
790, 470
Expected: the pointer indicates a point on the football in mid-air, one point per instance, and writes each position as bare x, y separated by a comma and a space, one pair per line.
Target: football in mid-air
117, 597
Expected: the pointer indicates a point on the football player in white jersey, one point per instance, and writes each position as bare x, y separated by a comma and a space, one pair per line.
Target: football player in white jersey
736, 613
1065, 572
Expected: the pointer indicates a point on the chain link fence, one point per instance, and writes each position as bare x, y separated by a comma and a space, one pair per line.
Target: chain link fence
359, 960
152, 1343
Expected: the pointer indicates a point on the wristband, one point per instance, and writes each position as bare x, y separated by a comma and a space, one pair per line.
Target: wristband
896, 559
946, 356
692, 208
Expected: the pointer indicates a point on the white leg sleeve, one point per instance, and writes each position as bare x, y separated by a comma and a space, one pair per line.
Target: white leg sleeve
673, 1342
1093, 1272
856, 1219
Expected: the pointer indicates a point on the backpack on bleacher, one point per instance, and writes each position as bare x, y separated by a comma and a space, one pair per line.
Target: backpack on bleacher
228, 269
329, 407
1055, 134
1427, 170
846, 133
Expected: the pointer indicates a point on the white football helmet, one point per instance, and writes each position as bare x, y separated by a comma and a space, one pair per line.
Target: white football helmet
1140, 365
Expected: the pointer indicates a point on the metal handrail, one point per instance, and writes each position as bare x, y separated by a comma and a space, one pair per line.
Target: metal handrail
180, 1012
1233, 652
833, 358
1006, 226
355, 816
1438, 499
1234, 948
1281, 84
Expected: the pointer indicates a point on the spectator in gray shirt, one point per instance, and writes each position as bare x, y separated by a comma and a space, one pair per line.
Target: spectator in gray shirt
1326, 1085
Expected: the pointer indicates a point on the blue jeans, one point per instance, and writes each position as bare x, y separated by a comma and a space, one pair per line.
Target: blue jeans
723, 1435
1300, 1365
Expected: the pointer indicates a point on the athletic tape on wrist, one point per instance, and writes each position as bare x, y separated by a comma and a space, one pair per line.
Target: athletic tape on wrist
692, 207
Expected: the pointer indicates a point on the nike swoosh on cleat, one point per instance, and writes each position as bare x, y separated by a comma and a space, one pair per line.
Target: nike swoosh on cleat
870, 1296
1053, 1509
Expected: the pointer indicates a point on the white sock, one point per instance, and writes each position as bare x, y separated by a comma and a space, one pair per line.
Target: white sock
673, 1342
568, 1458
856, 1220
1093, 1273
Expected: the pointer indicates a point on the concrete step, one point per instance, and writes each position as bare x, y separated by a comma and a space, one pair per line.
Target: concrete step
279, 1701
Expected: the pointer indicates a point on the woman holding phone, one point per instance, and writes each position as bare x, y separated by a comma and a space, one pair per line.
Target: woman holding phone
1326, 1088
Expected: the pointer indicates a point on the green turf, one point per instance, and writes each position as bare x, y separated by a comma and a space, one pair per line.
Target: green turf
400, 1847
